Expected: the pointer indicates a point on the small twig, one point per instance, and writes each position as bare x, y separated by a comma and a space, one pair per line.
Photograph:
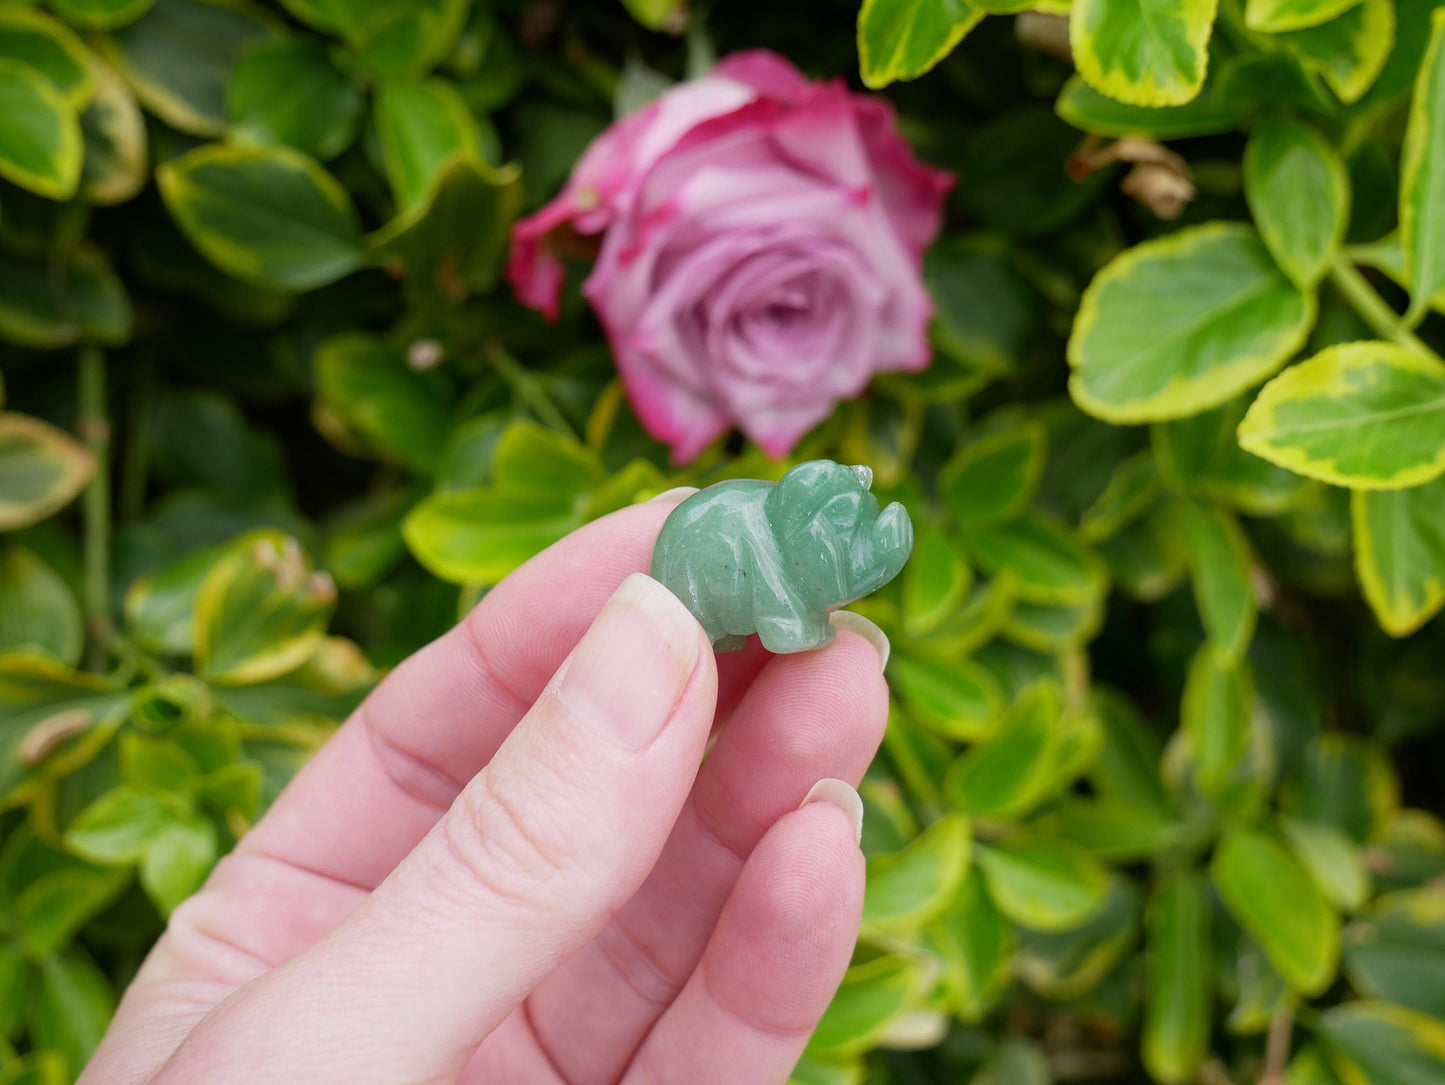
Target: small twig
135, 457
1372, 309
525, 384
1276, 1046
93, 425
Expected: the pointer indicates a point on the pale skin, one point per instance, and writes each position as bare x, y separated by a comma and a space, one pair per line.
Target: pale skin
507, 869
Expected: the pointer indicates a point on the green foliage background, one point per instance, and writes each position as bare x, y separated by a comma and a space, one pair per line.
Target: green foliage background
1160, 794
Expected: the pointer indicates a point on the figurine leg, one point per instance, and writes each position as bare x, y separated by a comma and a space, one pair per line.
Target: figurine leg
729, 642
793, 634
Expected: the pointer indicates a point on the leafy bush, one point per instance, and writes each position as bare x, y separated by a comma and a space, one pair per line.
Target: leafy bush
1158, 800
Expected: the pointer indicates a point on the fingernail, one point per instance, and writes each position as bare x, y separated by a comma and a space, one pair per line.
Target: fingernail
626, 674
676, 493
841, 794
856, 623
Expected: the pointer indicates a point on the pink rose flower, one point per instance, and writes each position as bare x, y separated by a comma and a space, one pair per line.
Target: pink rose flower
762, 243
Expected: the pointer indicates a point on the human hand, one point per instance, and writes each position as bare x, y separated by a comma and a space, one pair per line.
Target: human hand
513, 865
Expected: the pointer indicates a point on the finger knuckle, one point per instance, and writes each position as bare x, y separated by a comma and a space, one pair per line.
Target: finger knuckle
510, 841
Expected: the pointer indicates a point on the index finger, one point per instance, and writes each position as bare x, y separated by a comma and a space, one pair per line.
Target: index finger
375, 789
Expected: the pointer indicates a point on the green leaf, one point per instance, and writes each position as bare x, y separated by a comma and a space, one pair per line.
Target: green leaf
1309, 1067
655, 14
41, 470
1216, 718
1142, 54
982, 616
936, 580
1017, 1061
157, 764
532, 458
1177, 325
1052, 628
1046, 884
977, 945
994, 478
100, 14
117, 828
73, 1005
1088, 110
902, 39
1260, 991
40, 144
1364, 415
1202, 454
1422, 177
1127, 768
52, 908
1275, 900
1299, 194
15, 974
1132, 489
37, 608
50, 48
392, 36
986, 314
49, 714
1336, 862
180, 56
160, 609
177, 861
1220, 558
1177, 1010
1049, 566
1061, 965
907, 889
811, 1071
1184, 448
1376, 1043
1397, 950
958, 699
1114, 830
479, 536
1272, 16
363, 541
421, 124
1399, 553
454, 238
268, 215
1348, 51
1149, 558
117, 163
261, 611
869, 999
370, 386
288, 91
1003, 777
1348, 782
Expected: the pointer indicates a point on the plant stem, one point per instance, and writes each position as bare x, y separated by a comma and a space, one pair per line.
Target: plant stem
135, 658
528, 390
135, 458
1362, 297
1276, 1051
94, 427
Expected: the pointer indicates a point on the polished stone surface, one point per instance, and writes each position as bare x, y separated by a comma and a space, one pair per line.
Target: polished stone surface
776, 558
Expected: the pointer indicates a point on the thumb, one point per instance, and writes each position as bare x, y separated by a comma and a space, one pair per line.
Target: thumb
529, 863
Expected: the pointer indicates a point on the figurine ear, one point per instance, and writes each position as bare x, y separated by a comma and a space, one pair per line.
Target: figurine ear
865, 475
796, 499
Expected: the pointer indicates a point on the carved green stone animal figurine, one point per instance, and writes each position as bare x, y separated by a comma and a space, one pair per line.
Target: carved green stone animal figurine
776, 558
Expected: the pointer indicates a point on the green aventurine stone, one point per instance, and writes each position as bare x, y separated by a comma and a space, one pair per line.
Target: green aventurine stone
776, 558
